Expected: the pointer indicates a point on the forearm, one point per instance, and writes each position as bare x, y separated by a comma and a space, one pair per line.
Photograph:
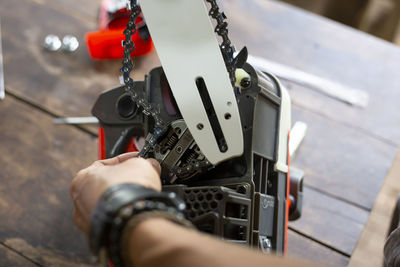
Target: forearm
158, 242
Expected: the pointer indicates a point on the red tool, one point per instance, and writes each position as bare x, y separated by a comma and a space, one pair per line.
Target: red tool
107, 42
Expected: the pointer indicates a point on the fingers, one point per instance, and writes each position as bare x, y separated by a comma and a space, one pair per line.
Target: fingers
76, 182
80, 221
156, 165
137, 164
127, 156
118, 159
89, 183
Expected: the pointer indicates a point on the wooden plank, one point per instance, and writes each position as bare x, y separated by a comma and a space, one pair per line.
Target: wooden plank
328, 49
69, 83
343, 113
342, 161
10, 258
86, 11
38, 162
301, 247
330, 221
369, 249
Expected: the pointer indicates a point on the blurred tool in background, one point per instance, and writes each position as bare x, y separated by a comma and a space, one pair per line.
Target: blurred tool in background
334, 89
106, 42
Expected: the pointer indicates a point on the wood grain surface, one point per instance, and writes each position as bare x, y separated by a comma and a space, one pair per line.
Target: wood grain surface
301, 248
9, 257
39, 160
327, 49
65, 83
330, 221
376, 229
342, 161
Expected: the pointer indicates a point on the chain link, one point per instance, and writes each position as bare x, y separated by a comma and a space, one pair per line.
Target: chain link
153, 110
226, 46
127, 66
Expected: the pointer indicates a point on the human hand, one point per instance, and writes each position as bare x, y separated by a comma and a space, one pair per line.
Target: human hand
90, 183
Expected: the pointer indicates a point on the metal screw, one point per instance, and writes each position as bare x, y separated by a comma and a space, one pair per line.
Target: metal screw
52, 42
125, 212
223, 148
70, 43
245, 83
267, 243
179, 149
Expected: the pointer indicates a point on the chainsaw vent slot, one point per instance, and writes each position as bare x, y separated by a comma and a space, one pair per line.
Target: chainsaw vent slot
260, 171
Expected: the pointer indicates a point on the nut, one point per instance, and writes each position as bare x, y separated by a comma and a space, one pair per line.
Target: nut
70, 43
52, 43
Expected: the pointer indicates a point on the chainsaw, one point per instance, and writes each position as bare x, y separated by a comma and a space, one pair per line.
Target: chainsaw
218, 127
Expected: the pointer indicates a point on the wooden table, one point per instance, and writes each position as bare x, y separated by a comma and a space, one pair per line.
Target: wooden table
346, 153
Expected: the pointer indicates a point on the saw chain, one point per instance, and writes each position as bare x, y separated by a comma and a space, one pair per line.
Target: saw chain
195, 162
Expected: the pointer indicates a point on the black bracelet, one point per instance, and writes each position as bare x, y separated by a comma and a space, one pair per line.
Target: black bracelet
117, 206
133, 215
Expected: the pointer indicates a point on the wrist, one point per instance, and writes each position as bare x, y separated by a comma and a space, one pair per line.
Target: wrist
131, 203
151, 239
135, 240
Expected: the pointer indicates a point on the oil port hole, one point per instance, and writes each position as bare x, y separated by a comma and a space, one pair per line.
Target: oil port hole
200, 126
228, 116
126, 107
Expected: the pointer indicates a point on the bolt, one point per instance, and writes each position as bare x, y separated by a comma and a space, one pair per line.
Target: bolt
70, 43
267, 243
223, 148
52, 42
245, 83
126, 212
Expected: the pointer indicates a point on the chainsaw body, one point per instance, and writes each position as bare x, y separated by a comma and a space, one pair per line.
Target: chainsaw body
244, 199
